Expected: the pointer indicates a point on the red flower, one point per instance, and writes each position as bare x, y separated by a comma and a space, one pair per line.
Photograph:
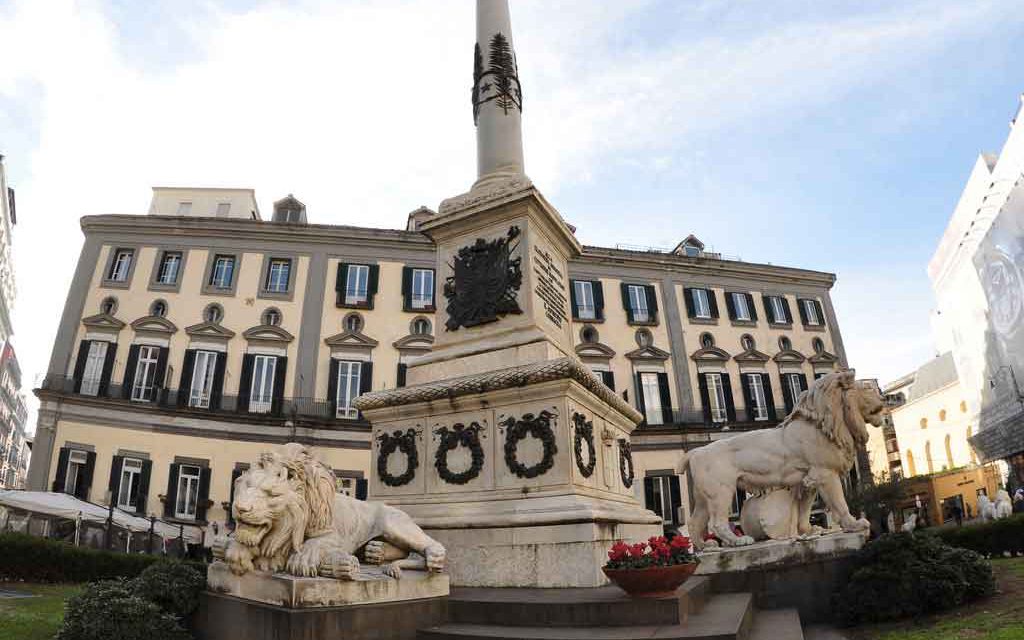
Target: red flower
656, 541
637, 550
680, 542
619, 551
709, 536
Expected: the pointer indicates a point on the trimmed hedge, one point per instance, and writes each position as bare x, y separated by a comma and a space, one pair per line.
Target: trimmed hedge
902, 575
111, 609
31, 559
988, 538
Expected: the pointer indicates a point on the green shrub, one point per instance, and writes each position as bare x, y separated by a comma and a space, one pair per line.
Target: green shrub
108, 609
988, 538
172, 586
31, 559
903, 575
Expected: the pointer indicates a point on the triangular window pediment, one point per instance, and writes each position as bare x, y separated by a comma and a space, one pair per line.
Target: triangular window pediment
154, 324
648, 353
267, 333
823, 357
789, 356
209, 330
414, 342
710, 354
594, 350
103, 321
351, 339
752, 356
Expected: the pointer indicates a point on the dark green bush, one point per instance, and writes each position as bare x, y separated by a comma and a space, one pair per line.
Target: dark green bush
903, 575
172, 586
108, 609
31, 559
988, 538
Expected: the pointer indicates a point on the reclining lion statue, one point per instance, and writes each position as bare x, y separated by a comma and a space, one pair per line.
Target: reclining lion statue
290, 518
806, 454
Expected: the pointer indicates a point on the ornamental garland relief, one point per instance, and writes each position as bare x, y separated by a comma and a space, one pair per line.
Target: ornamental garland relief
539, 426
401, 443
583, 433
460, 435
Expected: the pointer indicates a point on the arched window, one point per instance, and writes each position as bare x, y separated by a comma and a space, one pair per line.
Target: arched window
924, 423
963, 406
420, 327
707, 340
819, 345
109, 305
949, 452
747, 342
928, 456
272, 317
911, 467
644, 338
942, 415
588, 334
158, 308
785, 344
213, 313
353, 323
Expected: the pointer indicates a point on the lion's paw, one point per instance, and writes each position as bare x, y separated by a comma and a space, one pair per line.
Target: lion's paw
392, 569
742, 541
340, 566
305, 562
436, 557
238, 557
373, 553
856, 525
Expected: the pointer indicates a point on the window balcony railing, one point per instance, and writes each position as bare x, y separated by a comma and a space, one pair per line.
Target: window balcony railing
683, 418
293, 408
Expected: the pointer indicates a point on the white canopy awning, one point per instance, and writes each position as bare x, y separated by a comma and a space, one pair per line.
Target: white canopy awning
62, 505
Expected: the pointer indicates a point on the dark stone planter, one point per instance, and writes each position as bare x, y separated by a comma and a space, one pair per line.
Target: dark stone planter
652, 582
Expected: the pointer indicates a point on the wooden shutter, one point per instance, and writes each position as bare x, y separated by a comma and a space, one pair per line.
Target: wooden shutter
802, 310
400, 376
235, 474
62, 470
713, 302
217, 392
339, 282
652, 301
171, 495
365, 377
85, 482
108, 369
204, 493
787, 394
332, 387
245, 381
730, 305
769, 398
769, 314
574, 305
362, 488
407, 289
188, 366
649, 500
748, 397
640, 397
803, 381
83, 357
751, 307
688, 299
598, 299
280, 373
666, 398
115, 477
624, 289
140, 501
129, 371
160, 374
789, 313
821, 312
373, 281
608, 378
730, 406
677, 499
705, 396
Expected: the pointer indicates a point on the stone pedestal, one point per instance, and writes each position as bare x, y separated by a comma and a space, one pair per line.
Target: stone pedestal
259, 606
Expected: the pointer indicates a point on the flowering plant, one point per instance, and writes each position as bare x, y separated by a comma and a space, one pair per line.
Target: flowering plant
656, 552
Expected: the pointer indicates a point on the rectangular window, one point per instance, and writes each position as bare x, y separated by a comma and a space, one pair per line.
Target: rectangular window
223, 272
716, 396
757, 396
349, 374
278, 275
201, 388
793, 380
121, 265
356, 282
184, 208
93, 374
739, 304
811, 310
777, 309
662, 493
261, 396
638, 303
143, 386
585, 300
422, 288
170, 265
128, 490
76, 466
188, 492
701, 306
223, 208
652, 398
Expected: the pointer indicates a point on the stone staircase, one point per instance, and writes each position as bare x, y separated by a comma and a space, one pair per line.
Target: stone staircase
606, 613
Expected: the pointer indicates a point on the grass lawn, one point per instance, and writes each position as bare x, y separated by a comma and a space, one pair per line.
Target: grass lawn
1000, 617
33, 618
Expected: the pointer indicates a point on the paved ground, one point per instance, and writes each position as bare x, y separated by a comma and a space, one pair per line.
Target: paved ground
15, 594
823, 632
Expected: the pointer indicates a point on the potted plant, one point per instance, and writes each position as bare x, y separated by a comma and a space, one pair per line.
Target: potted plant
651, 569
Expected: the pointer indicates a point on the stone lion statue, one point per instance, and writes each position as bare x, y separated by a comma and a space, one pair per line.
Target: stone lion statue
806, 454
290, 518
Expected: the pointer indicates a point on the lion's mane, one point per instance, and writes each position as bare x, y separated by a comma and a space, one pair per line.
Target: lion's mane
830, 407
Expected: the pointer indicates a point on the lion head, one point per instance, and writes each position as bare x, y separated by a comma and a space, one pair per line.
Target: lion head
842, 408
280, 501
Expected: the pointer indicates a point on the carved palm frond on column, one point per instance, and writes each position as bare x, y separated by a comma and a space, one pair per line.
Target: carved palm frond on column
504, 87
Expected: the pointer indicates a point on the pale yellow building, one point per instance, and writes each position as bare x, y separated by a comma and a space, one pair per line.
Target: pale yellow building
197, 336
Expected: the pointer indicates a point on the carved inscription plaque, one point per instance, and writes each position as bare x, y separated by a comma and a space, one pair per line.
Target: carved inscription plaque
550, 286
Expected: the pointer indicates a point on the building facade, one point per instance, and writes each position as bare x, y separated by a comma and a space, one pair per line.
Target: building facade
190, 342
14, 442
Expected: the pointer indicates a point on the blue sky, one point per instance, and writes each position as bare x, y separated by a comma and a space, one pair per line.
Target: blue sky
832, 136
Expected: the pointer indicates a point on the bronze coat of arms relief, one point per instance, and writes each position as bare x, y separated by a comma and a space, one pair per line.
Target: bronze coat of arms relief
484, 282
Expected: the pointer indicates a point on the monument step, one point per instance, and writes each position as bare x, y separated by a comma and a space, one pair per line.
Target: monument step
606, 606
776, 624
724, 617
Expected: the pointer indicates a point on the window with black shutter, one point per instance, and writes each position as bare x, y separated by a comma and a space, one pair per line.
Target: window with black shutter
356, 285
769, 397
245, 381
417, 289
400, 376
666, 399
608, 378
74, 472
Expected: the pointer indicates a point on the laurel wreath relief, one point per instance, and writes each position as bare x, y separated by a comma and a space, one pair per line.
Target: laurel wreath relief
404, 442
